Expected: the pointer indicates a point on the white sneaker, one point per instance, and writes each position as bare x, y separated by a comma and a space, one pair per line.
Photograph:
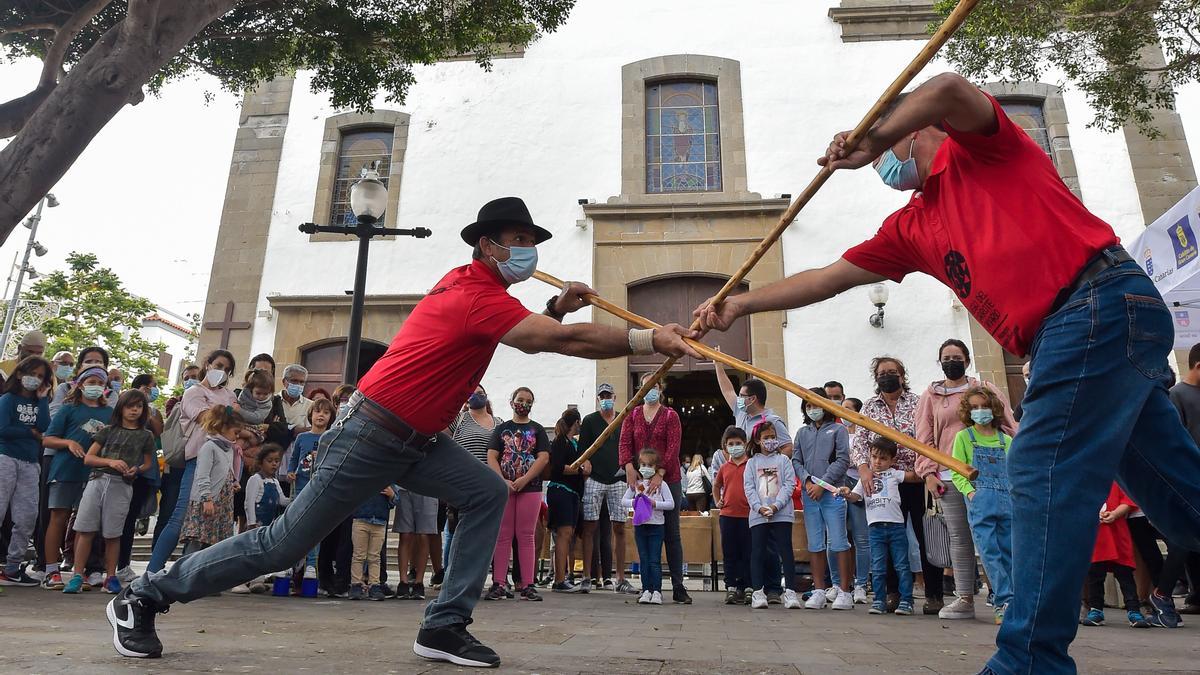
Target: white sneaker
240, 590
95, 579
817, 600
790, 601
758, 600
645, 599
656, 598
310, 572
126, 574
860, 595
36, 575
832, 593
961, 608
843, 601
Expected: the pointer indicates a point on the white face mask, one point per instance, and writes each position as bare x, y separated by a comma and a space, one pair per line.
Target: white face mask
816, 414
215, 377
736, 450
648, 472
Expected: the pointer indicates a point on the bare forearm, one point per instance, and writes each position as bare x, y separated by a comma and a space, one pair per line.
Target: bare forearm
799, 290
593, 341
947, 97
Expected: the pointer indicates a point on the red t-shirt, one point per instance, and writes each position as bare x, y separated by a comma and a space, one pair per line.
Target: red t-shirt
733, 490
996, 224
444, 347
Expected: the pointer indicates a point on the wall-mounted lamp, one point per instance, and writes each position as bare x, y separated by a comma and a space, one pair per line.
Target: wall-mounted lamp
878, 293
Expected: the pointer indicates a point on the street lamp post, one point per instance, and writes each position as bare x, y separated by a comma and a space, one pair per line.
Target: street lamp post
368, 200
32, 246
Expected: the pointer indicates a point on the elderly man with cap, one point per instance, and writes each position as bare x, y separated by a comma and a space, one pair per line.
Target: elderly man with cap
32, 343
604, 487
390, 434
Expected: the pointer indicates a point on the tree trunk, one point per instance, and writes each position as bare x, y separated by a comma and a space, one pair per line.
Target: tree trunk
110, 75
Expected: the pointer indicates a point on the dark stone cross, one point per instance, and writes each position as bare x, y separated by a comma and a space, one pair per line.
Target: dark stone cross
227, 326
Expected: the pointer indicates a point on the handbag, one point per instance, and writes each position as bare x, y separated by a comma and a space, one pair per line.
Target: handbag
937, 535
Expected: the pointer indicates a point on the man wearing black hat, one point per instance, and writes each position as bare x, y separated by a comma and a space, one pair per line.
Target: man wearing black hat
390, 434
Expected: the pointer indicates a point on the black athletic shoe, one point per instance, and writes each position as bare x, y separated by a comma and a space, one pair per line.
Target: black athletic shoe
681, 597
416, 592
454, 644
437, 579
132, 619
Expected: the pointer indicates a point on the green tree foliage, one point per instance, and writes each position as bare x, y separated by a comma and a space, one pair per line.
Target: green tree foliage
97, 310
1097, 44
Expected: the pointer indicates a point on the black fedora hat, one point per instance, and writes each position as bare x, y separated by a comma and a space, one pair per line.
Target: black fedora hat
498, 213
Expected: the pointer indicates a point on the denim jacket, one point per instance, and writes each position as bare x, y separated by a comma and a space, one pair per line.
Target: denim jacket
375, 510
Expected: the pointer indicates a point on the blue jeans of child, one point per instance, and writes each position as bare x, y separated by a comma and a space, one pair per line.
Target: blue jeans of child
357, 457
735, 550
856, 527
649, 540
1096, 409
767, 539
890, 540
168, 539
310, 559
990, 515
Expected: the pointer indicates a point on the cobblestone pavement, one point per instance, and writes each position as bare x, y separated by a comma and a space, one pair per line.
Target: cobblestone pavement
47, 632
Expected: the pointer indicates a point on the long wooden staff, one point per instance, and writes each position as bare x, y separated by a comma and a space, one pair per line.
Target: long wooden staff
787, 385
943, 33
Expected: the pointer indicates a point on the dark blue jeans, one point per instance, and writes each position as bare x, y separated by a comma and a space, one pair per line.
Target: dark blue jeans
735, 550
890, 540
649, 540
766, 540
1096, 409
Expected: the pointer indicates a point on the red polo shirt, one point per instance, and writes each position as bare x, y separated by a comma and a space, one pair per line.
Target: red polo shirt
444, 347
996, 224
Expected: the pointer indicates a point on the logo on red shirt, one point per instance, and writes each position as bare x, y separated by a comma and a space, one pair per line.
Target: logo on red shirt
958, 272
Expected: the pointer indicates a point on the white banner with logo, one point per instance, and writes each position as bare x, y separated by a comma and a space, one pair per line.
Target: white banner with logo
1170, 253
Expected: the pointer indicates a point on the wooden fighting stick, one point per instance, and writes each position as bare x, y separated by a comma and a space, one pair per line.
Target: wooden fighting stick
936, 42
787, 385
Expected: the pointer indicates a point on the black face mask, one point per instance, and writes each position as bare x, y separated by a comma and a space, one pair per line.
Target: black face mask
954, 370
888, 384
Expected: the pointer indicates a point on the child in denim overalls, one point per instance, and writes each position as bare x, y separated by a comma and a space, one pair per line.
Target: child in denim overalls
989, 499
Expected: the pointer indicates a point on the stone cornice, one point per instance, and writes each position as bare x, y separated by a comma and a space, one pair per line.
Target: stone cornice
875, 20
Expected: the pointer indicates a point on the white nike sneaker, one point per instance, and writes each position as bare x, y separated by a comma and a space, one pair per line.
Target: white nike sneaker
860, 595
817, 600
310, 572
645, 599
656, 598
843, 601
832, 593
758, 600
790, 601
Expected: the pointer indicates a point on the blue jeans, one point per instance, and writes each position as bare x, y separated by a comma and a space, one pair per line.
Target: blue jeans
735, 550
310, 560
990, 515
1096, 409
768, 540
168, 539
856, 526
356, 458
890, 540
649, 540
825, 516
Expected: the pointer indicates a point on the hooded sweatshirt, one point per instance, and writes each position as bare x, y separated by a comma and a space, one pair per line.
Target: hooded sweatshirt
769, 481
938, 423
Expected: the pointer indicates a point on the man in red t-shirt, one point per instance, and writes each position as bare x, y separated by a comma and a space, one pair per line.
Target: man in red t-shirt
991, 219
390, 433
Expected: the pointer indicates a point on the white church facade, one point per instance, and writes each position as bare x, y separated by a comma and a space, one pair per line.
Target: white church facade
659, 146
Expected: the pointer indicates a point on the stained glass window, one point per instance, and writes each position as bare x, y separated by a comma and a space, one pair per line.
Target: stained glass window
683, 137
358, 149
1030, 116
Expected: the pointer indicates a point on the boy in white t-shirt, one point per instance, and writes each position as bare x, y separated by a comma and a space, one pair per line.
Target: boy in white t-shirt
885, 519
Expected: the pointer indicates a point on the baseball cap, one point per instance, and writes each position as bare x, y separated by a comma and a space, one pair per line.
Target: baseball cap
605, 388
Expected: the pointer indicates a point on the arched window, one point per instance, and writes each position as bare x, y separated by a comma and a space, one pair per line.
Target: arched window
1030, 115
325, 360
358, 148
683, 137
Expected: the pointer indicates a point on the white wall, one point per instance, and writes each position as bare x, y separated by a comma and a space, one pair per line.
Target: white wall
546, 127
175, 344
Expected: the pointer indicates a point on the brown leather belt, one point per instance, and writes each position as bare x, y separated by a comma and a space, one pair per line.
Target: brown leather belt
1106, 259
360, 404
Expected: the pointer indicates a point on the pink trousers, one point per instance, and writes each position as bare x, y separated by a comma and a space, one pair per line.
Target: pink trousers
520, 520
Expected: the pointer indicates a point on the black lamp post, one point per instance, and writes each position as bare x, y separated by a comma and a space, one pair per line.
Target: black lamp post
368, 200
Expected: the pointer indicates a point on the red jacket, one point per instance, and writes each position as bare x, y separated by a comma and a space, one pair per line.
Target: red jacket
1113, 543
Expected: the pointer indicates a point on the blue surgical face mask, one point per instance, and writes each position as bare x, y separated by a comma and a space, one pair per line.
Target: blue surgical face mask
647, 472
741, 403
653, 396
982, 416
154, 392
92, 391
295, 390
115, 387
522, 261
607, 405
736, 450
899, 175
188, 384
64, 373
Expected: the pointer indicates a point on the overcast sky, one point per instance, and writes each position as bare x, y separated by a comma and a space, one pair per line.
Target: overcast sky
145, 196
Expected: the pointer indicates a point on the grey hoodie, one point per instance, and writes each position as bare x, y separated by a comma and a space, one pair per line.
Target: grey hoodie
822, 452
769, 481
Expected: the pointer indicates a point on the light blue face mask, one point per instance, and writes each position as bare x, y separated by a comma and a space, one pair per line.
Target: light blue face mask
522, 261
899, 175
982, 416
295, 390
154, 393
652, 396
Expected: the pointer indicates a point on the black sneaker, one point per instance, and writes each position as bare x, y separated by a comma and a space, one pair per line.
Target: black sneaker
454, 644
565, 586
508, 591
416, 592
356, 592
401, 591
774, 598
530, 593
132, 619
496, 593
731, 597
437, 579
376, 593
681, 597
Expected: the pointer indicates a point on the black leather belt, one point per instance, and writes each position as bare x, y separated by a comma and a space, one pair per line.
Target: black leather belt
371, 410
1106, 259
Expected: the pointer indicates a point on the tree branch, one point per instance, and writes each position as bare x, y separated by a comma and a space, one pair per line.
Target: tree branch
28, 28
1182, 61
53, 61
15, 113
